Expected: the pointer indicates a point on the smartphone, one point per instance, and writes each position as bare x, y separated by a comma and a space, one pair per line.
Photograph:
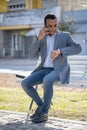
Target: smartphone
47, 30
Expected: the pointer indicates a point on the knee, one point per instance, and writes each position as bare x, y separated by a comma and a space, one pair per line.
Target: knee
47, 82
23, 84
26, 84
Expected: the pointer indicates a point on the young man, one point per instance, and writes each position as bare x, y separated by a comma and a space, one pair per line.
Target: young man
54, 47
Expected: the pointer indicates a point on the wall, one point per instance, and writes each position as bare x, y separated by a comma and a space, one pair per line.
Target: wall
3, 6
50, 3
1, 43
80, 35
33, 4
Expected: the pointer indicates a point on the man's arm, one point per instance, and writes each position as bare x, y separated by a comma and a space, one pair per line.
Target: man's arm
34, 49
72, 47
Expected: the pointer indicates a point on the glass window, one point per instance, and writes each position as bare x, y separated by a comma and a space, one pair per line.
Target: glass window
15, 42
16, 5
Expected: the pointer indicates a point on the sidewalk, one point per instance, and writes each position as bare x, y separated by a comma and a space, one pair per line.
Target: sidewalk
17, 65
16, 121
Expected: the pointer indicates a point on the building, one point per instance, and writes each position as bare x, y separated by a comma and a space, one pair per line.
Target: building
17, 18
20, 18
80, 35
72, 5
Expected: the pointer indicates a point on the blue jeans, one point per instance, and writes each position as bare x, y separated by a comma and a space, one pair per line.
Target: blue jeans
47, 76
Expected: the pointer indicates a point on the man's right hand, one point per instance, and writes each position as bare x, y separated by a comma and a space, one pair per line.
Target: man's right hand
42, 33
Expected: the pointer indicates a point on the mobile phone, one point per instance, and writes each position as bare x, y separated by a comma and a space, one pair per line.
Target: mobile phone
47, 30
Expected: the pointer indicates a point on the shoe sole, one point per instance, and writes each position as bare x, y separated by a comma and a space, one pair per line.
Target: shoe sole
39, 121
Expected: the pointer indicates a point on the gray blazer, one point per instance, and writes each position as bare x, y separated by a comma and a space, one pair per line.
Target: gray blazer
66, 44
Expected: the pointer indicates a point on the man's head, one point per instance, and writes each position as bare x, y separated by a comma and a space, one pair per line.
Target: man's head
51, 23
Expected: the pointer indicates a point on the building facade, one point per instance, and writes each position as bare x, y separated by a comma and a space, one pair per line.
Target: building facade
20, 18
80, 35
17, 18
72, 5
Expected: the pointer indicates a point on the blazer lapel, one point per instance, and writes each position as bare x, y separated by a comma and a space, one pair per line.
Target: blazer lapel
57, 41
44, 47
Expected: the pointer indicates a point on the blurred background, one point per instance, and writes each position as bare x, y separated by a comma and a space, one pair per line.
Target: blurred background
20, 21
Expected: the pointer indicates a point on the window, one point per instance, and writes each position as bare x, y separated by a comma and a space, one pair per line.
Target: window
16, 5
15, 42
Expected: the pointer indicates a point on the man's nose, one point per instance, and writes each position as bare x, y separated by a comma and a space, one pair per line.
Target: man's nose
53, 28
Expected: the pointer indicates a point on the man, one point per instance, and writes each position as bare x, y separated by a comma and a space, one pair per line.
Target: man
54, 47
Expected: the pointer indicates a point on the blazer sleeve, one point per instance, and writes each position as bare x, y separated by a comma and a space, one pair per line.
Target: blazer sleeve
72, 47
34, 48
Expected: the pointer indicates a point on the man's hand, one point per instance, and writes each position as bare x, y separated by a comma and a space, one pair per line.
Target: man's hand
55, 53
42, 33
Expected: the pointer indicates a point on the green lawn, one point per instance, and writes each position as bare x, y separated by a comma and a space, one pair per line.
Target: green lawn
67, 103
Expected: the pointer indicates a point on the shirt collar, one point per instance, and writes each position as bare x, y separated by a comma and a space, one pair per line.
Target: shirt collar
52, 35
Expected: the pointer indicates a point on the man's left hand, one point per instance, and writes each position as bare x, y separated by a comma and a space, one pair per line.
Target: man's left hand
55, 53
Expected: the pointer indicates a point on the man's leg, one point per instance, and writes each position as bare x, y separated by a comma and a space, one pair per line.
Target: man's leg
48, 81
29, 82
33, 79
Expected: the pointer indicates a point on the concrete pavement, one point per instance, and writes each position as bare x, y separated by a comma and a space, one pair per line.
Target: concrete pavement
16, 121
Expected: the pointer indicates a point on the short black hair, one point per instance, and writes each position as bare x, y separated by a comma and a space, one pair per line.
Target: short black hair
49, 16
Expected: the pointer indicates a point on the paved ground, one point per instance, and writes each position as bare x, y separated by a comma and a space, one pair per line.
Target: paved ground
16, 121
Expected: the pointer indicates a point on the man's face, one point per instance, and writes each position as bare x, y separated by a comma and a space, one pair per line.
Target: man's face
52, 25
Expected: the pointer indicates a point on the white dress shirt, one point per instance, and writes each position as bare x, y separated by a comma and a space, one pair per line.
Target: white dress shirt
50, 44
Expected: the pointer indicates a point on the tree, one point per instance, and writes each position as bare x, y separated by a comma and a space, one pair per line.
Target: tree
67, 24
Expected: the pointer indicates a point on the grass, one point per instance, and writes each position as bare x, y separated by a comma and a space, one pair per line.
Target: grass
68, 103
